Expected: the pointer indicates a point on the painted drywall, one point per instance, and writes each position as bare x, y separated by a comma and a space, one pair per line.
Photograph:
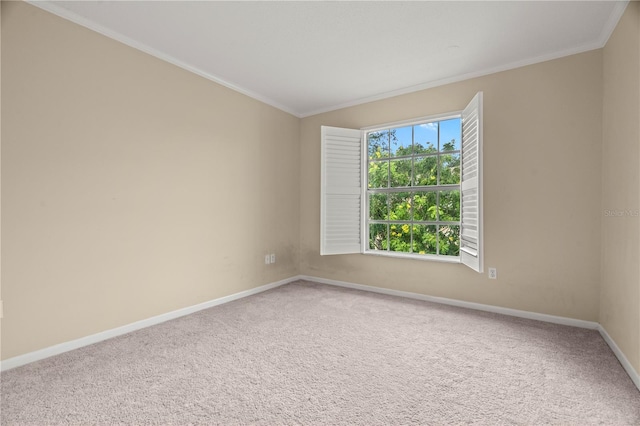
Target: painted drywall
542, 148
130, 187
1, 314
620, 288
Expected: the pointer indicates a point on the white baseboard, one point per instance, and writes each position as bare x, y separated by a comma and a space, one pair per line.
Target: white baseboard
633, 374
461, 304
104, 335
98, 337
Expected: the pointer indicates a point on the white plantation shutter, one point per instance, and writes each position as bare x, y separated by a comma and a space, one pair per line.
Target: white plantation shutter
341, 189
471, 249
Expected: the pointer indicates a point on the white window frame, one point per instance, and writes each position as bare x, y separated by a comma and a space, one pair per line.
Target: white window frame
343, 164
365, 199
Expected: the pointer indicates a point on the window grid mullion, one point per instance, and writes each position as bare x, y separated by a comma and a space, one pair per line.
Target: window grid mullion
416, 222
438, 166
412, 181
431, 188
407, 157
389, 162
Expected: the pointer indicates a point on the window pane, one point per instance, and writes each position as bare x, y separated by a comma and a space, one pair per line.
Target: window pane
401, 140
424, 206
449, 206
450, 135
400, 173
449, 239
434, 159
379, 174
425, 170
378, 144
449, 169
400, 206
400, 237
425, 240
378, 209
378, 236
425, 138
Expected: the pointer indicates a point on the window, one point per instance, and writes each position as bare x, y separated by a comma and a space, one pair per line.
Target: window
412, 189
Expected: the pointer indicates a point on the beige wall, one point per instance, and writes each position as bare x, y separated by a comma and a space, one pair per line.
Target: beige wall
0, 178
130, 187
542, 148
115, 164
620, 295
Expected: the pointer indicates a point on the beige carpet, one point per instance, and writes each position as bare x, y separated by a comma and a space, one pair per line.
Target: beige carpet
313, 354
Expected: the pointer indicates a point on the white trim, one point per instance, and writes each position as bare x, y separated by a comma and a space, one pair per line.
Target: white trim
612, 22
403, 255
461, 304
590, 325
98, 337
114, 332
413, 121
633, 374
53, 8
73, 17
455, 79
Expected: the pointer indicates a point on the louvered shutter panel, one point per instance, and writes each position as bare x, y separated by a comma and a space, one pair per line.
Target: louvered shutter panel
341, 189
471, 249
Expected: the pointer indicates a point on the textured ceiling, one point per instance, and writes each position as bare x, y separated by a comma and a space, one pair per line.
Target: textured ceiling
311, 57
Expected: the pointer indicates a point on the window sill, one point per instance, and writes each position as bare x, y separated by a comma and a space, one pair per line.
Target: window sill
423, 257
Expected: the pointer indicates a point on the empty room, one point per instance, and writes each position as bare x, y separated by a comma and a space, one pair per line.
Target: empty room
314, 213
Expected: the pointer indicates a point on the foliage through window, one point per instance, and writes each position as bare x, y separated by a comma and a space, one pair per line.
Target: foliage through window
413, 188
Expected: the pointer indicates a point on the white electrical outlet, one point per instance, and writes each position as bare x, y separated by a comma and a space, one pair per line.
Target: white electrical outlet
267, 259
493, 274
273, 258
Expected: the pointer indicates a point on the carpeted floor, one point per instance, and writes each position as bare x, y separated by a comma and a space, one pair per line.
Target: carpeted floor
313, 354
